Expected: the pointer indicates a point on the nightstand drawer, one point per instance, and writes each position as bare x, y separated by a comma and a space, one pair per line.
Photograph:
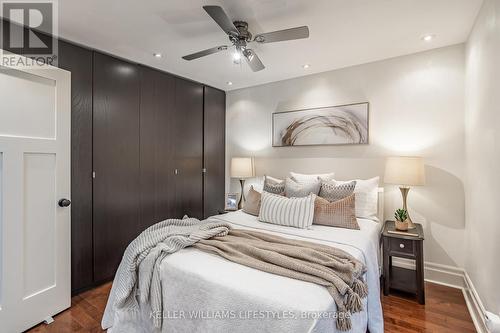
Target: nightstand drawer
401, 245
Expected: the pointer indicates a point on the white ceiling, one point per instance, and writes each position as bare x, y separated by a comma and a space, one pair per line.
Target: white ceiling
342, 33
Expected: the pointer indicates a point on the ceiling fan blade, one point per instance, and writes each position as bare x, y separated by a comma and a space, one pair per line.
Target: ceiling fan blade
204, 52
253, 60
220, 17
282, 35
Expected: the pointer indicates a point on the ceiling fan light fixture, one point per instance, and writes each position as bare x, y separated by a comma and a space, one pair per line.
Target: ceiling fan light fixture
240, 36
237, 56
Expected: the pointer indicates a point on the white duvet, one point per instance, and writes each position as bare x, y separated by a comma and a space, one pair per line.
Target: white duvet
205, 293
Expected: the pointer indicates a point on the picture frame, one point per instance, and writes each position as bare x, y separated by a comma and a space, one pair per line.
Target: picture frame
231, 203
346, 124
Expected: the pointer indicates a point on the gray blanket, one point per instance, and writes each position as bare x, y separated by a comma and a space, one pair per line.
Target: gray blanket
139, 270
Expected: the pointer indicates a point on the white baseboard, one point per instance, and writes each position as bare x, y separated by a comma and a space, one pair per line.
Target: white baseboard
476, 307
456, 278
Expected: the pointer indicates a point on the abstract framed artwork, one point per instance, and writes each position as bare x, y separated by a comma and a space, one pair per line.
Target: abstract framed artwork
334, 125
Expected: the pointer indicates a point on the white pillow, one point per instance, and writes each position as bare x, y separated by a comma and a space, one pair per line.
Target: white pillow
366, 193
308, 179
291, 212
300, 190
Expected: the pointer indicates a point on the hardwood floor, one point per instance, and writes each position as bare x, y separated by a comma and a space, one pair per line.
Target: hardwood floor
84, 315
445, 311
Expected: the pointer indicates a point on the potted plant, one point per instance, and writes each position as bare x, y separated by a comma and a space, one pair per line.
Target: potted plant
401, 216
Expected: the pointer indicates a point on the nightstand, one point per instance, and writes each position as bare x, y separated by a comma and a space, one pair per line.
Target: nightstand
404, 246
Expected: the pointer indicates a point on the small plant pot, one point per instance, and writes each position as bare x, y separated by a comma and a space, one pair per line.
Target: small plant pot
402, 226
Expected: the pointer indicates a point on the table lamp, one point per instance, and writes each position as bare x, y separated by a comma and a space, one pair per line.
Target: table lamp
405, 172
242, 168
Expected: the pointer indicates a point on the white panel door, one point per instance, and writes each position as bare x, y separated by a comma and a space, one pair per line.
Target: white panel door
34, 176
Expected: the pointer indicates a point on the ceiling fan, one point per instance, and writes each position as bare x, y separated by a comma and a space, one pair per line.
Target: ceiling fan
240, 37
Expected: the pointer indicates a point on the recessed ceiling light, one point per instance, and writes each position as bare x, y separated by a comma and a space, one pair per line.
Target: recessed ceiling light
157, 55
305, 66
428, 37
229, 83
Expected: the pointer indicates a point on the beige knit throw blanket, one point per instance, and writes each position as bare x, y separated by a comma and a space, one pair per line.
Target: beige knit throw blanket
336, 270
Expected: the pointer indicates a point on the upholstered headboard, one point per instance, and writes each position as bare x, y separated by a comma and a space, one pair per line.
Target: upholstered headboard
380, 210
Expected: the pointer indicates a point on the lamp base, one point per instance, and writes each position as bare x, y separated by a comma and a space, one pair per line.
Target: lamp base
404, 192
411, 225
242, 195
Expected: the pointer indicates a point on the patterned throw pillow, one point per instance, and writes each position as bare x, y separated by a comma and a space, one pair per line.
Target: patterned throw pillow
333, 191
294, 189
274, 185
252, 202
291, 212
341, 213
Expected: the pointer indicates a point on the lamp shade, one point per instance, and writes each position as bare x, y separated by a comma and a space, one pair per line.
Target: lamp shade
242, 167
407, 171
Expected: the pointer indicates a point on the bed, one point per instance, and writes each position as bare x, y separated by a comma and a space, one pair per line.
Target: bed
203, 292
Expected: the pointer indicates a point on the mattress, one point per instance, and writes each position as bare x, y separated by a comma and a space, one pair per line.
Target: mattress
203, 292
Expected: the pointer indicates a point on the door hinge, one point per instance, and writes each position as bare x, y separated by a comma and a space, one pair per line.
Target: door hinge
93, 174
204, 170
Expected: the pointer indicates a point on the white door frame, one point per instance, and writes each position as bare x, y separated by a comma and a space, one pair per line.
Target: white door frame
19, 309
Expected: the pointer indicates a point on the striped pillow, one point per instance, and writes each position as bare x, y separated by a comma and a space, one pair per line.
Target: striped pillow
291, 212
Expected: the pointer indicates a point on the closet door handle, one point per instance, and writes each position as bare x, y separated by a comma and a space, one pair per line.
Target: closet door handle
64, 203
176, 171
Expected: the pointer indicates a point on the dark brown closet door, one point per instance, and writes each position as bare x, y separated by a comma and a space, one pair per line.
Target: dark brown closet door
78, 61
214, 143
188, 125
157, 147
116, 161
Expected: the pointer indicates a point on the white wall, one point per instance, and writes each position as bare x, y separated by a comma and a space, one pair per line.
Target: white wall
416, 108
483, 154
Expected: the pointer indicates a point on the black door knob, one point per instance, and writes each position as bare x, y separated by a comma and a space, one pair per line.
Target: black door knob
64, 203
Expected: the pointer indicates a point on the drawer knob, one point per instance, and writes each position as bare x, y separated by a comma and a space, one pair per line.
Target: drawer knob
402, 245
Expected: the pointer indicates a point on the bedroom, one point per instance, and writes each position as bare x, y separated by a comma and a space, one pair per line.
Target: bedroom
363, 112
